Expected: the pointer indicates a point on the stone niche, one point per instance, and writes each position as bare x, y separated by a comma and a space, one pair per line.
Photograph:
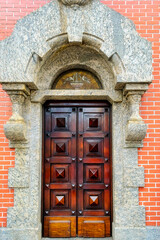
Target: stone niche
62, 36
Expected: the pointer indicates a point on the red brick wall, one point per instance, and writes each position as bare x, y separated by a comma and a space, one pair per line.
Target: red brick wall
145, 14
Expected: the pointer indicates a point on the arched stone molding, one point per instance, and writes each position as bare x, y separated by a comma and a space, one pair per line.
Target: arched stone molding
33, 34
58, 37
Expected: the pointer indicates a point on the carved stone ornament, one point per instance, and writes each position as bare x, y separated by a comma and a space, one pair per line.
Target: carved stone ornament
15, 128
74, 2
136, 128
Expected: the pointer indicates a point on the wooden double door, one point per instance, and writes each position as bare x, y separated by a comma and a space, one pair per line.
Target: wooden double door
76, 170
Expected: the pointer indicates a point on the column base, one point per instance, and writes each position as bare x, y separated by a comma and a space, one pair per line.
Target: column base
124, 233
20, 234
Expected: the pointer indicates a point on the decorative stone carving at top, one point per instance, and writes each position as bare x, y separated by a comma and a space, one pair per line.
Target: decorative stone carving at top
101, 27
77, 79
74, 2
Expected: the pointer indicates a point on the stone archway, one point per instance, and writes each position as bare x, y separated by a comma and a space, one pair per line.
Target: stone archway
43, 45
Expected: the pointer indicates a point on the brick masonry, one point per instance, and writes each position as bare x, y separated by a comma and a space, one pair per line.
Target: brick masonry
145, 15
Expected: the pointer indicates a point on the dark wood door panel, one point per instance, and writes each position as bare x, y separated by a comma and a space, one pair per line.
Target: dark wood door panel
59, 172
77, 187
93, 177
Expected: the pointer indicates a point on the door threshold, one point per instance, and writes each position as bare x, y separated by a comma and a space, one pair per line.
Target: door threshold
78, 238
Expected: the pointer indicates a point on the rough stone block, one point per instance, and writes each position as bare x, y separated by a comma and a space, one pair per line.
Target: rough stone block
18, 178
153, 233
20, 234
129, 233
134, 177
130, 216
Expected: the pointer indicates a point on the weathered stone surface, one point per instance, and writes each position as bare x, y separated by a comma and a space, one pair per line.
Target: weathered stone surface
134, 177
18, 177
153, 233
20, 234
129, 233
134, 216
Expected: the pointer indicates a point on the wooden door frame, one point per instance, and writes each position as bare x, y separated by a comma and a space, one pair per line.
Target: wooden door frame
82, 103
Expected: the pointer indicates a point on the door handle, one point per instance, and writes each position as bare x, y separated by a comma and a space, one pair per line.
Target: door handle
80, 185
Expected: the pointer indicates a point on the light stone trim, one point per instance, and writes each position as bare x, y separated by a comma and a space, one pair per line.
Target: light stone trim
44, 44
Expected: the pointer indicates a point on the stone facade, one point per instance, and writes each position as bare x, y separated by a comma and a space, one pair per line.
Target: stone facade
60, 36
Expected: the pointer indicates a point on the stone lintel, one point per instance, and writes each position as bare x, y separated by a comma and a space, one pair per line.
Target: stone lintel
43, 95
134, 177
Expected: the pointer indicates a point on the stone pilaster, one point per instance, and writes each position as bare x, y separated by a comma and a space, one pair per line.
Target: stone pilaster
16, 131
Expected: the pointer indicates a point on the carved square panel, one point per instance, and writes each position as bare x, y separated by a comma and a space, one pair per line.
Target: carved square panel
93, 199
93, 147
60, 121
59, 173
93, 122
60, 147
93, 173
59, 199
